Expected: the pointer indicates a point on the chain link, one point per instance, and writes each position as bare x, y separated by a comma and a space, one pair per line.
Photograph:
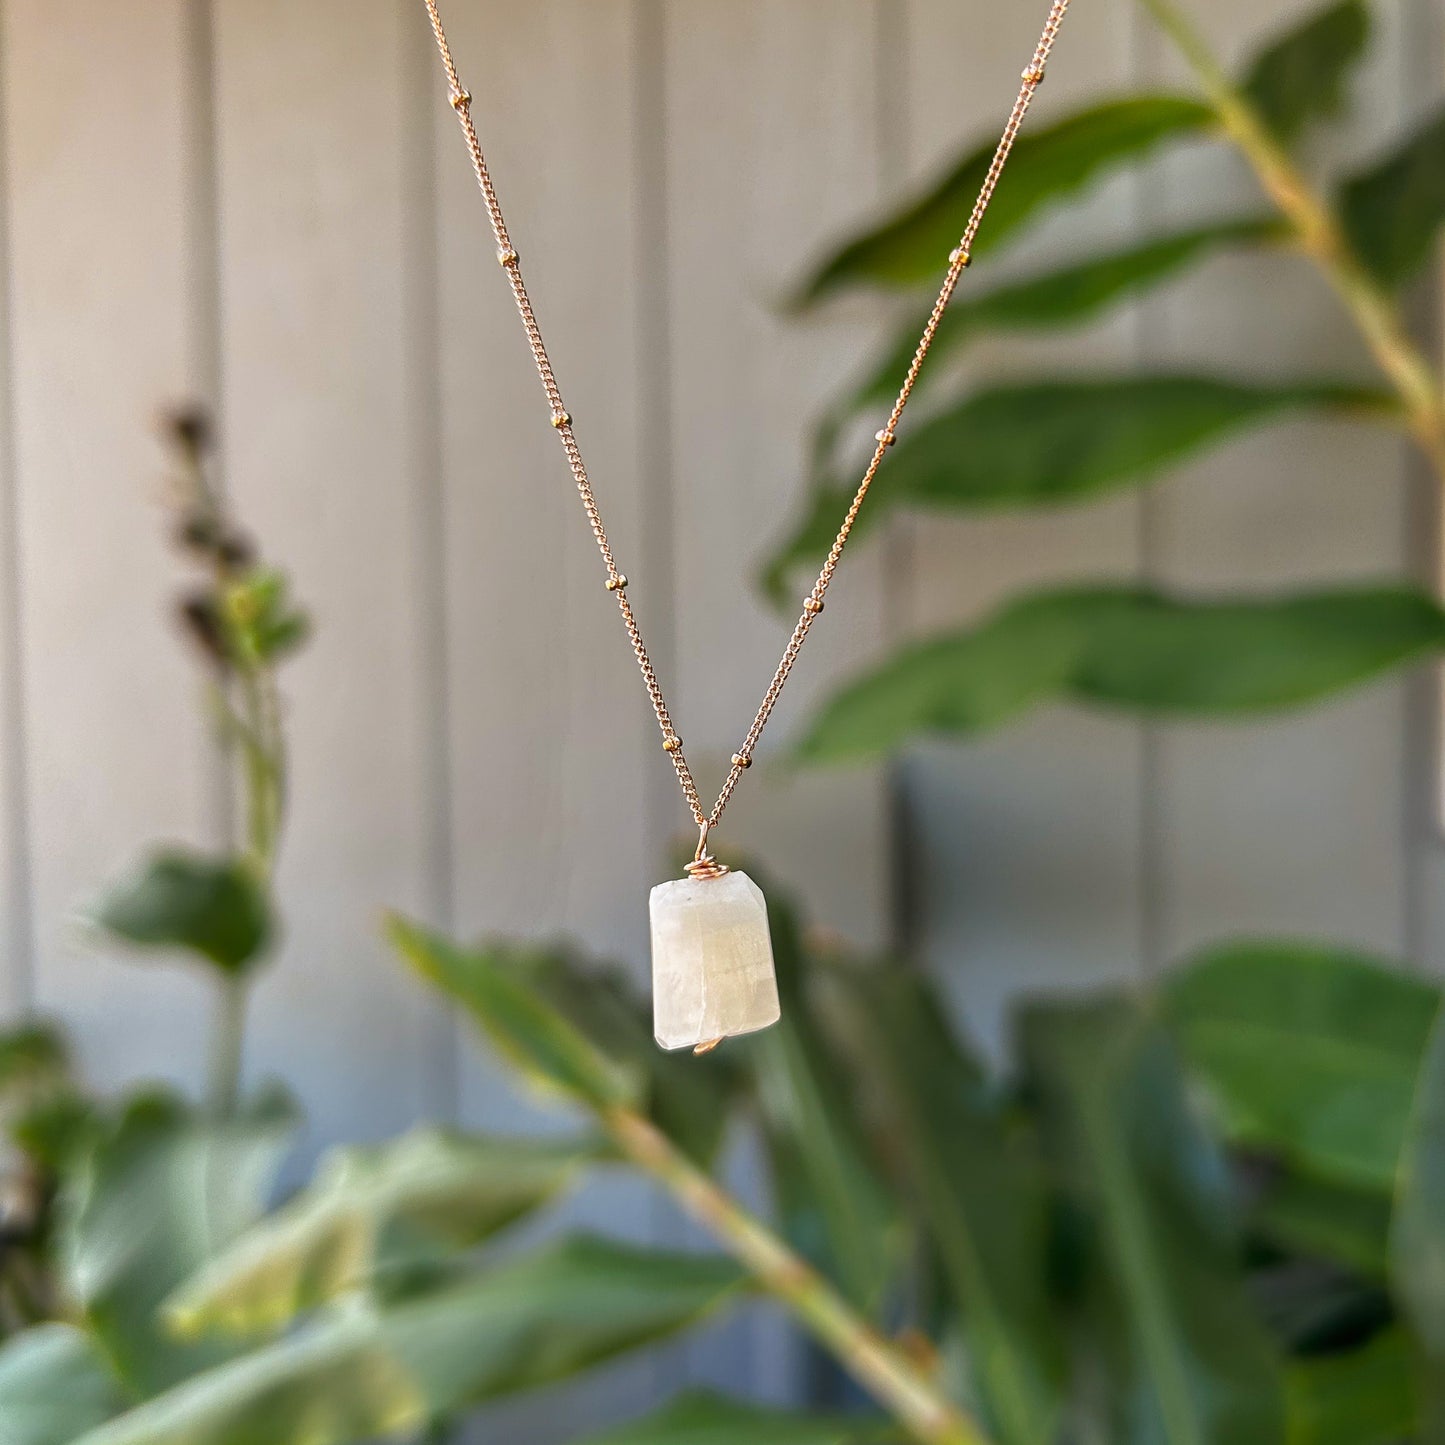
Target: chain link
958, 259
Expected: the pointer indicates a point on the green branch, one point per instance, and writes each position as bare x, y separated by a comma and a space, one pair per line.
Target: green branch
880, 1366
1320, 236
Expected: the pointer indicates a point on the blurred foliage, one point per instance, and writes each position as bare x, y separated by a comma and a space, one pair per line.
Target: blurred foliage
1064, 440
1211, 1213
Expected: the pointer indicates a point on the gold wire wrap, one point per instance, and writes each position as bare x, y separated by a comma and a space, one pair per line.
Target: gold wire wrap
703, 864
958, 259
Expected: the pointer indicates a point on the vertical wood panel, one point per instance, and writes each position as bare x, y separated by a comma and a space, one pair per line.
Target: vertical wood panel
15, 929
771, 145
553, 744
1025, 847
96, 121
550, 727
1295, 825
314, 178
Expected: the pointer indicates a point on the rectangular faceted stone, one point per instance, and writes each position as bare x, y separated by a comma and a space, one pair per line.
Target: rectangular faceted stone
712, 960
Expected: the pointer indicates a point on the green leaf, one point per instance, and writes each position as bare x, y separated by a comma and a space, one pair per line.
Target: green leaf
366, 1370
41, 1109
700, 1417
1048, 443
1067, 296
1047, 165
832, 1204
1326, 1221
981, 1189
58, 1130
1199, 1368
549, 1050
1393, 210
34, 1057
161, 1193
375, 1208
1310, 1052
1362, 1397
1127, 648
53, 1387
961, 683
216, 907
1301, 77
1161, 656
262, 623
1417, 1242
689, 1098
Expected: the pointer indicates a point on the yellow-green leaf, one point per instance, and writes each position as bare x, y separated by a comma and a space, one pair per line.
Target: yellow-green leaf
490, 983
365, 1370
161, 1193
370, 1209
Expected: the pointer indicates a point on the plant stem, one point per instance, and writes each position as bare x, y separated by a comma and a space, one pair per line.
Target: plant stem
228, 1045
257, 732
892, 1378
1320, 236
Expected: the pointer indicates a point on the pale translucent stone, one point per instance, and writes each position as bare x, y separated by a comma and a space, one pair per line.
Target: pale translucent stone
712, 960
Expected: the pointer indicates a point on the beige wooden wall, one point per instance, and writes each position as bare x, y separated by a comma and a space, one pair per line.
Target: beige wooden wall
266, 205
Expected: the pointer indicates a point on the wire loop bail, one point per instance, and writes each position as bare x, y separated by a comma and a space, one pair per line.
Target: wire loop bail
703, 864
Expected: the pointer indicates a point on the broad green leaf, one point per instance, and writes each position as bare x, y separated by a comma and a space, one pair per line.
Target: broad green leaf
1328, 1221
832, 1204
1127, 648
161, 1193
1310, 1052
216, 907
1160, 656
364, 1370
53, 1387
549, 1050
702, 1418
1364, 1396
1048, 163
981, 1190
1049, 443
1417, 1241
1301, 77
374, 1208
1198, 1368
1392, 212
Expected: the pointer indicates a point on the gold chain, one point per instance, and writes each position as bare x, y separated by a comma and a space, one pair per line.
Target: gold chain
958, 258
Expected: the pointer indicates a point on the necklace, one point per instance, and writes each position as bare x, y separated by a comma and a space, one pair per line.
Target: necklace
712, 958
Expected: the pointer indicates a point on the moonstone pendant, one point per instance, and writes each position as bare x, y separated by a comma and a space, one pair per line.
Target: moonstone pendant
712, 961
